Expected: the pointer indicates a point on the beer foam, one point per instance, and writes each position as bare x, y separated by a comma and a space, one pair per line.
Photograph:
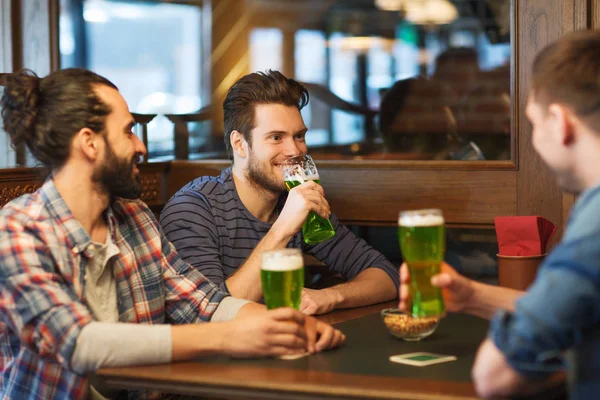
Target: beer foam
420, 220
283, 263
302, 179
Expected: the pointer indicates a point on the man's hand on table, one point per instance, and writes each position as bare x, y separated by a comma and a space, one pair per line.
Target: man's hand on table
456, 289
322, 336
282, 331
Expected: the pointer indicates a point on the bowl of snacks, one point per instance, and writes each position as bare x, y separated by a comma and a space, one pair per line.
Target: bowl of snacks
406, 327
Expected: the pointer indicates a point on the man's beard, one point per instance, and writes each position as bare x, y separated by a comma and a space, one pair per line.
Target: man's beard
116, 178
258, 178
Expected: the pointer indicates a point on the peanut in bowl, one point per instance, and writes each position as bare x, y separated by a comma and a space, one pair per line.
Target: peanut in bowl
406, 327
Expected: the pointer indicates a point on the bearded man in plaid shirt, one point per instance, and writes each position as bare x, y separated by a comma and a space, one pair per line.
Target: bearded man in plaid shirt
87, 279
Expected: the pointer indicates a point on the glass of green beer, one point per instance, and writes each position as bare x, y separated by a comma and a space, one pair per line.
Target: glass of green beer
422, 237
295, 172
282, 278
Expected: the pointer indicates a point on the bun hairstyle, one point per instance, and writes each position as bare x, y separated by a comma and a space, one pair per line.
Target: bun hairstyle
45, 113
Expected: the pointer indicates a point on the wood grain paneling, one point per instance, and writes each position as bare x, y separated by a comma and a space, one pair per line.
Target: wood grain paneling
367, 196
538, 23
15, 182
594, 14
244, 382
229, 60
373, 196
574, 15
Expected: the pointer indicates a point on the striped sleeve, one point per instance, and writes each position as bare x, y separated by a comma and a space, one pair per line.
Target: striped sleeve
349, 255
35, 301
189, 225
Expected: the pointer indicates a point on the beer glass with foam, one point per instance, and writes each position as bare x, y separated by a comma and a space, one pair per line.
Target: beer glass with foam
422, 237
282, 278
295, 172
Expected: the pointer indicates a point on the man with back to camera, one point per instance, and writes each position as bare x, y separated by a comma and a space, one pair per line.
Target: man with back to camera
556, 323
222, 224
87, 279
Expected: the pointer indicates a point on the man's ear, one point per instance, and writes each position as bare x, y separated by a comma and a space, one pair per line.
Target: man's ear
238, 144
564, 121
87, 143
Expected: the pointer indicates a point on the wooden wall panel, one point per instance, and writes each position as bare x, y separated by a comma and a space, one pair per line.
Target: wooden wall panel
373, 196
594, 14
15, 182
368, 196
538, 23
230, 58
576, 15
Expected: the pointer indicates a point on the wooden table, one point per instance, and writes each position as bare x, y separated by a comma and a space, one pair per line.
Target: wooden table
360, 369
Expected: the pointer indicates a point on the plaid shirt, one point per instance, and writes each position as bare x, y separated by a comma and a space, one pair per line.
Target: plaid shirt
44, 252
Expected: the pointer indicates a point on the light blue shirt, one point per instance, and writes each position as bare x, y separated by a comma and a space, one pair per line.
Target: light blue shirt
557, 323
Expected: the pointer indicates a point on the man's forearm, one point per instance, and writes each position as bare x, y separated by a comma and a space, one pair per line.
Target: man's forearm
114, 344
487, 299
197, 340
371, 286
494, 377
245, 282
103, 344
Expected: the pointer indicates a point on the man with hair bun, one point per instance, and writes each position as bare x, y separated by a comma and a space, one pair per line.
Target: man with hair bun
87, 279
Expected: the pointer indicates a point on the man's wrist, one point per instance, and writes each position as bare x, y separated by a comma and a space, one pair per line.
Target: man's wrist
222, 339
336, 297
250, 309
279, 234
475, 302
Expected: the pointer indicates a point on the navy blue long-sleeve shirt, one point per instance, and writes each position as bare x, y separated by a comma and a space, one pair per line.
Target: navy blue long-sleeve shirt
213, 231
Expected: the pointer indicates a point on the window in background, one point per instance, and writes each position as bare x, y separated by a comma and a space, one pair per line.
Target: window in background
266, 49
310, 61
7, 154
380, 72
344, 61
150, 50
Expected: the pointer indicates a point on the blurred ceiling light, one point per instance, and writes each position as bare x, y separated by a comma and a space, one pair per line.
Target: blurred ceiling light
362, 43
422, 12
389, 5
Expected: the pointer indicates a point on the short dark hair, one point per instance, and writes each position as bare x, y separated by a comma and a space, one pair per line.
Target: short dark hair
568, 72
45, 113
270, 87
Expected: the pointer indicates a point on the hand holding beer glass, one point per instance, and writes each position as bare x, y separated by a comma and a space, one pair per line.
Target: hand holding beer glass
282, 278
295, 172
422, 237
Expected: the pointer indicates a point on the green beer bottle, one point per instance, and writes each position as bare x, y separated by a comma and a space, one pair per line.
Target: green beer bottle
315, 228
422, 237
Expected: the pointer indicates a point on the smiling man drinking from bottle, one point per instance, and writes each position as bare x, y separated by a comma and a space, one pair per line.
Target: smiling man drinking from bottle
221, 225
